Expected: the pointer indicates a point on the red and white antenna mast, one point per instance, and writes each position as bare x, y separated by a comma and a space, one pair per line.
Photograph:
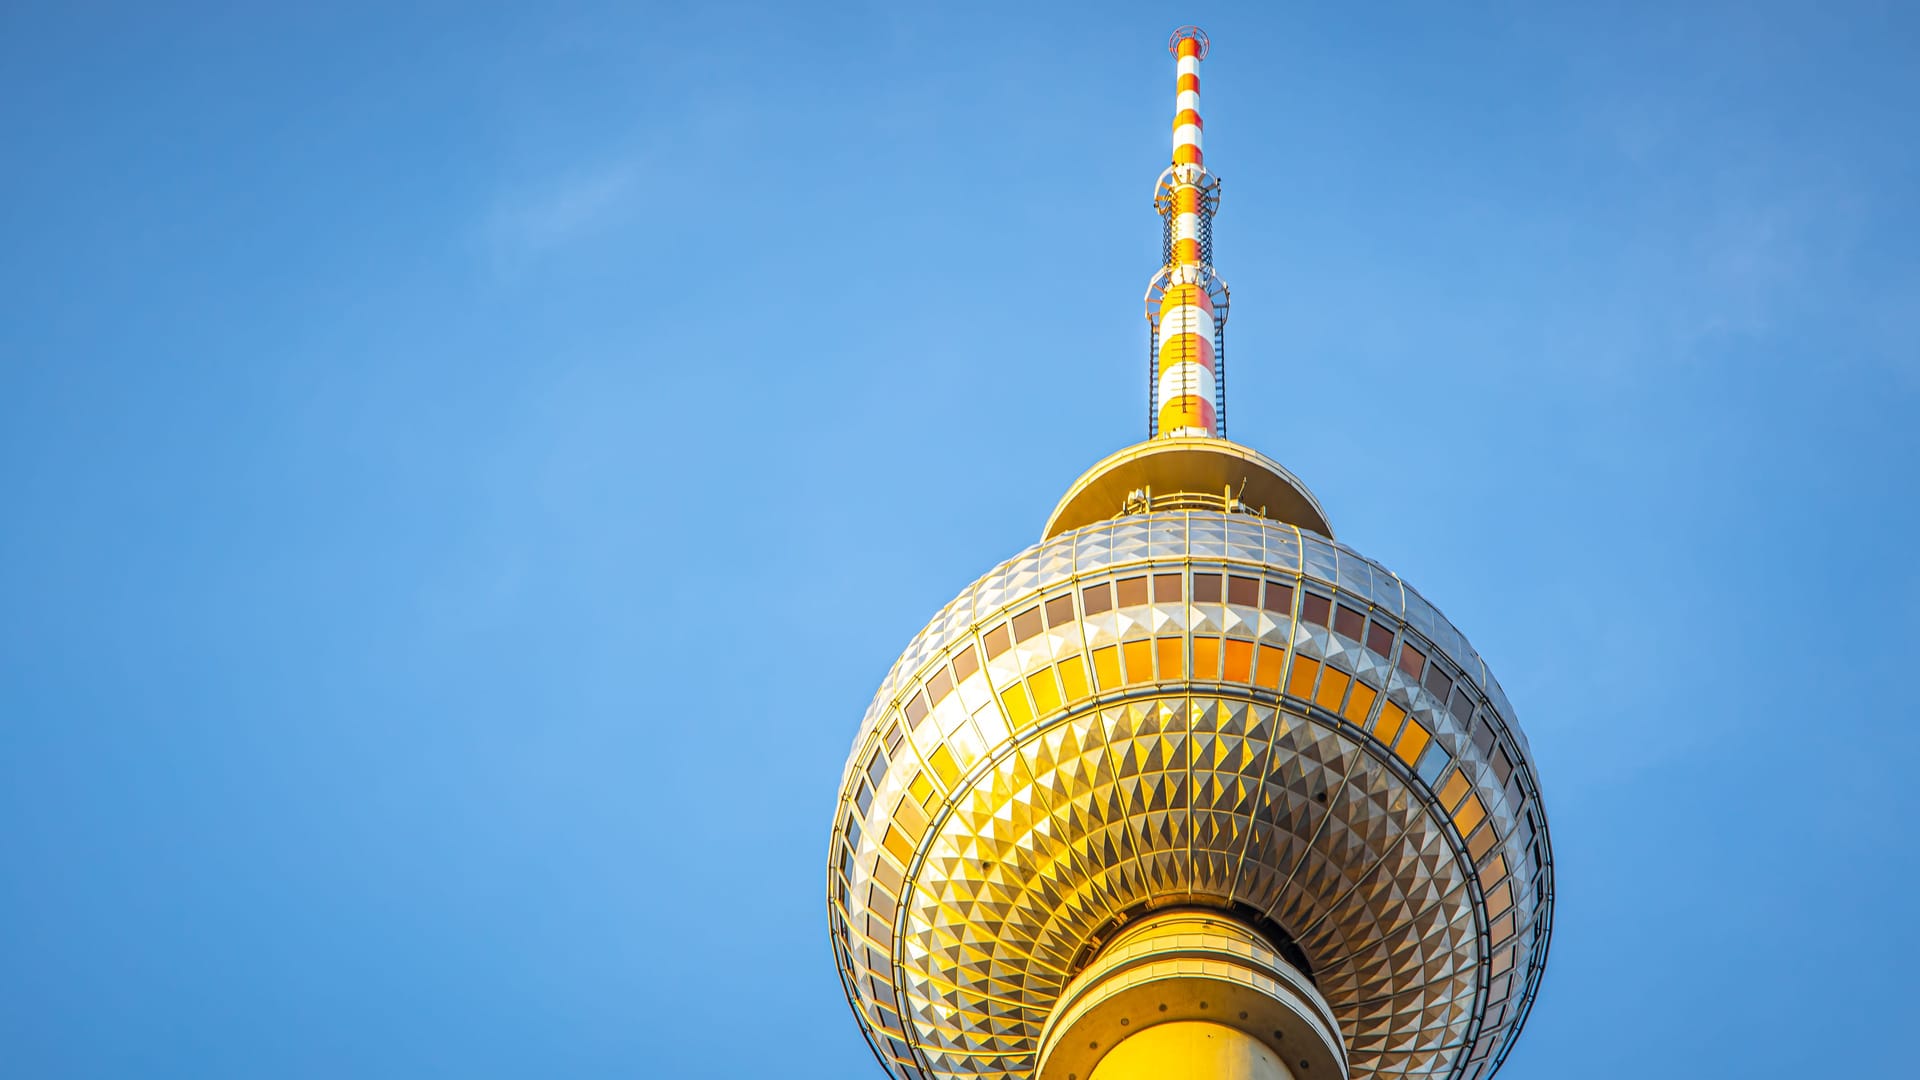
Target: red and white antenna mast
1187, 301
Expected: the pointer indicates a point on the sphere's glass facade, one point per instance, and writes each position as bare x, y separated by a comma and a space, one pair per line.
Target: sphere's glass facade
1199, 708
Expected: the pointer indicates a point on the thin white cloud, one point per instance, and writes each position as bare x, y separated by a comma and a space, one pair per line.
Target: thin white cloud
528, 223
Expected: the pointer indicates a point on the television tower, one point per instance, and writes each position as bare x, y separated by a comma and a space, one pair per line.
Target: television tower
1188, 790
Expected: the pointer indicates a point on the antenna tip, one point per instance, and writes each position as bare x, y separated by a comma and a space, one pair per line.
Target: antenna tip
1178, 47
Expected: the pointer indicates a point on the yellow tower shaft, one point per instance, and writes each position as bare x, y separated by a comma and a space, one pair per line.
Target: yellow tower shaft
1191, 1050
1191, 994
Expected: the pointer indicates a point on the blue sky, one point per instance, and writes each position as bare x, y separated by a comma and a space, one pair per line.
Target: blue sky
465, 469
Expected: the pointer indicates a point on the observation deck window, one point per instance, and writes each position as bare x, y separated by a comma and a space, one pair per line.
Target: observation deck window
1245, 592
965, 664
1315, 609
997, 641
1412, 660
1380, 640
1060, 610
1280, 599
1097, 598
939, 686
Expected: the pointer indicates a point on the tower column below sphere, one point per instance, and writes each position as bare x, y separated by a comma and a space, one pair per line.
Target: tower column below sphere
1191, 994
1192, 1050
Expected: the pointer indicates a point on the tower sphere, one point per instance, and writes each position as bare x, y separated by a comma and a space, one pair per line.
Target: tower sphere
1189, 782
1189, 709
